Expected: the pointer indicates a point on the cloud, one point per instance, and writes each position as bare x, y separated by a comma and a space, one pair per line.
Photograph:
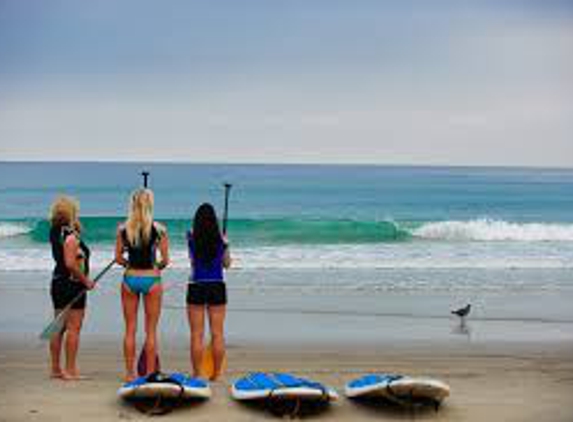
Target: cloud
416, 85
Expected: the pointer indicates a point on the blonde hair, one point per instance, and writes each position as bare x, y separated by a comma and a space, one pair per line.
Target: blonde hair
64, 212
140, 217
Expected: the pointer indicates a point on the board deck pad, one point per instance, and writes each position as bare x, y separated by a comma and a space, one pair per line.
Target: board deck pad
262, 385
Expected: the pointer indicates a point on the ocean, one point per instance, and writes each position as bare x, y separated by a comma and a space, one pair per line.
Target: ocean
380, 242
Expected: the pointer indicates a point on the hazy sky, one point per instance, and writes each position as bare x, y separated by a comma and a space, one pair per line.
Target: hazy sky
414, 82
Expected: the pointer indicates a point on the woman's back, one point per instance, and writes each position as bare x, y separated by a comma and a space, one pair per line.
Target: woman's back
143, 254
205, 269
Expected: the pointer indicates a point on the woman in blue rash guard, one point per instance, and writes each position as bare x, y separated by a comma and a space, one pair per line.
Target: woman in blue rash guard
206, 292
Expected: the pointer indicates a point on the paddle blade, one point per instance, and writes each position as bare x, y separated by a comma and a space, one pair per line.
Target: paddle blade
142, 363
208, 363
54, 327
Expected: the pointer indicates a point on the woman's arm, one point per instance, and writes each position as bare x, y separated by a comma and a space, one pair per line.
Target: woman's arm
226, 254
119, 247
71, 251
190, 247
163, 248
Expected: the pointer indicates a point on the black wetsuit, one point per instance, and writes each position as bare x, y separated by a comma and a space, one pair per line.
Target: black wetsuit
141, 257
64, 287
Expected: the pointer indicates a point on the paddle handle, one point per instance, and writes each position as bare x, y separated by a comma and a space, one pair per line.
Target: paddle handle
145, 175
226, 209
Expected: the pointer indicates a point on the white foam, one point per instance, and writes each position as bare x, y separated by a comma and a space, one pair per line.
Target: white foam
415, 255
13, 229
494, 230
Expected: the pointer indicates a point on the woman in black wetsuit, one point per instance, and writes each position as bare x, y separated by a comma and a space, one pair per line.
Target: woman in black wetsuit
70, 278
139, 242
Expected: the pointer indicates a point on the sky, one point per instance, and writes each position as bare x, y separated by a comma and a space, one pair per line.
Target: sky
444, 82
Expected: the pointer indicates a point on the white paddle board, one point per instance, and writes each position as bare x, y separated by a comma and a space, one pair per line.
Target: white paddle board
399, 389
175, 385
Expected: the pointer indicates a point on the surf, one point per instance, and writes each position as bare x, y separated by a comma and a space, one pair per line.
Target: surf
485, 229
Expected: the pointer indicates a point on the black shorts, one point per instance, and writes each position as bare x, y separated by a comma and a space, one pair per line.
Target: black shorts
208, 293
63, 291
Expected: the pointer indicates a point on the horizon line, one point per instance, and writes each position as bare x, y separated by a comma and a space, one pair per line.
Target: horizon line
284, 163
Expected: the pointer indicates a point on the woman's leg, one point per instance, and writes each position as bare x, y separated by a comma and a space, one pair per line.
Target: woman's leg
217, 323
196, 316
152, 302
74, 321
56, 351
130, 302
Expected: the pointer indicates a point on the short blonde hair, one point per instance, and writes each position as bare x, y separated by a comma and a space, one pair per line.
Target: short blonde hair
64, 212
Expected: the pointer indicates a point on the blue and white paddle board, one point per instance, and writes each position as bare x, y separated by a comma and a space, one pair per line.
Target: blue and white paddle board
263, 385
398, 388
174, 385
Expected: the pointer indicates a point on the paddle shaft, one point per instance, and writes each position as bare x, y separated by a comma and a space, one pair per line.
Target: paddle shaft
55, 325
226, 209
96, 279
142, 361
208, 361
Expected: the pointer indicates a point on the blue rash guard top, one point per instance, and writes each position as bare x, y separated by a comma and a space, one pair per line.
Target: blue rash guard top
202, 271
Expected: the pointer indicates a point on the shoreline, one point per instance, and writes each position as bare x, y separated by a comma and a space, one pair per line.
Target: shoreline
259, 302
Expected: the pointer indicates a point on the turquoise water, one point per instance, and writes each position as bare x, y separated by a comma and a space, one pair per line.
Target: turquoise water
311, 216
324, 252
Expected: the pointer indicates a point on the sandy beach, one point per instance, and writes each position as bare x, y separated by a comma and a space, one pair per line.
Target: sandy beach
502, 368
495, 382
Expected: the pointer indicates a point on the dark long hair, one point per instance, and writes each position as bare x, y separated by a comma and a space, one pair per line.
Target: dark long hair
206, 234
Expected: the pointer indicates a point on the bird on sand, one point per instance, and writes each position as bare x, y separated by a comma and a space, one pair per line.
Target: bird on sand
462, 312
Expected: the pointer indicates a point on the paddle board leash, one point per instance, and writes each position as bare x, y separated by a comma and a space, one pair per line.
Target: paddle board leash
57, 323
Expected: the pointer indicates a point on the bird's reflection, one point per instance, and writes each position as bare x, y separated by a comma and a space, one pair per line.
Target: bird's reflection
462, 329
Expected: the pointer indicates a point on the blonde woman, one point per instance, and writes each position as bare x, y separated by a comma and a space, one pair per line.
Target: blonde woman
69, 279
138, 241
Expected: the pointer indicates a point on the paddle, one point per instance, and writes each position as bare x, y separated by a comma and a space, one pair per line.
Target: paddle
142, 361
145, 175
57, 323
208, 361
226, 210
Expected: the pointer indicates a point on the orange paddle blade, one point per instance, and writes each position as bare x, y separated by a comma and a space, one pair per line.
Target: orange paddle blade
208, 363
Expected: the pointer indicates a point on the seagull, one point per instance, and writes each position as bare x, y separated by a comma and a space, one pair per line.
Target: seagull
462, 312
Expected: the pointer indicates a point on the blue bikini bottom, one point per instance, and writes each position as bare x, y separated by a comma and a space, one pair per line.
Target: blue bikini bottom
140, 284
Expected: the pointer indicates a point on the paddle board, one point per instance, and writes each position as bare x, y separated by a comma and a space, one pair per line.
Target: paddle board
261, 385
400, 389
165, 386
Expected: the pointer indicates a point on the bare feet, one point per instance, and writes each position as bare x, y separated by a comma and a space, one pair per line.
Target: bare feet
72, 375
57, 374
